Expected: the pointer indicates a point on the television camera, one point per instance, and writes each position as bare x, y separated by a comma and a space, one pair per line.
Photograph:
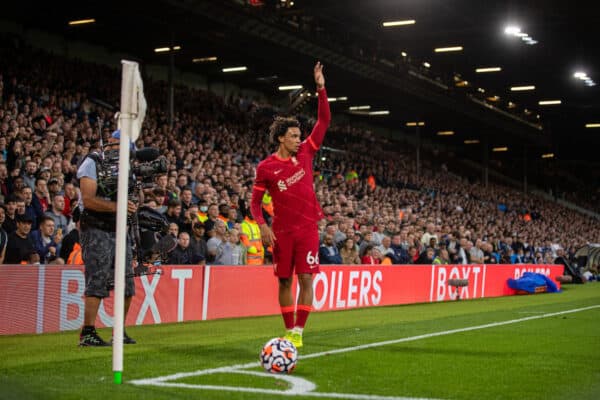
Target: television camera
147, 227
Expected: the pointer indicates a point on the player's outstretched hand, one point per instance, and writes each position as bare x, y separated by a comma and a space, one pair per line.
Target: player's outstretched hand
319, 78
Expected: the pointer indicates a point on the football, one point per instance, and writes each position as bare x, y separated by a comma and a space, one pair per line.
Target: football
279, 356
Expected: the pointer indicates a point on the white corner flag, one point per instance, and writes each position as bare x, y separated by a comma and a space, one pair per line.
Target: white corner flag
131, 117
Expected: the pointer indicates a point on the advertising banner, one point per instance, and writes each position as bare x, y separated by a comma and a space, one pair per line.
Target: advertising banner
38, 299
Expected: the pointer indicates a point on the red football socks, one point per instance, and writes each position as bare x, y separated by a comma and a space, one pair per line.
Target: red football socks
287, 312
302, 313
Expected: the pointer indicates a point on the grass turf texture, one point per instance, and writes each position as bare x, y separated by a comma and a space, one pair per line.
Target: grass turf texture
556, 357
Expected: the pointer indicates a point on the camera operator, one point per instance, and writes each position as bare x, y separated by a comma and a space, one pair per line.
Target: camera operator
98, 234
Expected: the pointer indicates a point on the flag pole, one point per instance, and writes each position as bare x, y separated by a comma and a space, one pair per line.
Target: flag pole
133, 109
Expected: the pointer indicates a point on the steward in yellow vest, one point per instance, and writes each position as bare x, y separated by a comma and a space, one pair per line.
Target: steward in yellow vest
250, 236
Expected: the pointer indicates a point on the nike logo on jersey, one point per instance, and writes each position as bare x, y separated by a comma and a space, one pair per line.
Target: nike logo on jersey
276, 172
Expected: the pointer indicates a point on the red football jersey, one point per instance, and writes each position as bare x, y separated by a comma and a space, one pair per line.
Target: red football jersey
290, 181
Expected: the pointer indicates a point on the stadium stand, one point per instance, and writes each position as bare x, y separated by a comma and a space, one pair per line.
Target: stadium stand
54, 111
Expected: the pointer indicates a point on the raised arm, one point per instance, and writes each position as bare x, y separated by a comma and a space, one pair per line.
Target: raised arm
324, 114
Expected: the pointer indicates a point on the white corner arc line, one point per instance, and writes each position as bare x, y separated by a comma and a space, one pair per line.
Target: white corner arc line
163, 380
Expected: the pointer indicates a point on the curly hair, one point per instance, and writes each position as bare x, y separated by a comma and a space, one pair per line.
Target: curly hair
280, 126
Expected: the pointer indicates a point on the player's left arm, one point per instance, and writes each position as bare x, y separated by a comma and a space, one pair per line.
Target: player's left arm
324, 113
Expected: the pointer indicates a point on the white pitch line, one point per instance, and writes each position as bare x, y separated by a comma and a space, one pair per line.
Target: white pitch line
162, 380
443, 333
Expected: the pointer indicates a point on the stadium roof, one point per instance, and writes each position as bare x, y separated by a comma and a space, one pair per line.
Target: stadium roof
384, 67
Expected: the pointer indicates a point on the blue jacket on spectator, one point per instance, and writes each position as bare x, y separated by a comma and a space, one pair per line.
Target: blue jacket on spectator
400, 255
329, 255
43, 248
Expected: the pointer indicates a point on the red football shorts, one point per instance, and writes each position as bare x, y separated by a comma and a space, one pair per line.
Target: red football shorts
296, 251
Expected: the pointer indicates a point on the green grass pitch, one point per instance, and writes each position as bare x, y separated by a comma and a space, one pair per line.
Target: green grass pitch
543, 346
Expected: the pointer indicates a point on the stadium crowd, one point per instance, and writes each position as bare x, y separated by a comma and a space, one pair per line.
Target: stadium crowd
378, 210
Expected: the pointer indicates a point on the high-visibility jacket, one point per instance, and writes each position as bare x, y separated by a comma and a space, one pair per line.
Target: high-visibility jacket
225, 220
267, 204
371, 182
250, 236
76, 256
202, 216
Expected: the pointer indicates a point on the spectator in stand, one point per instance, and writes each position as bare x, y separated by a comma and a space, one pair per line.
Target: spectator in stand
476, 253
340, 233
46, 241
71, 198
29, 174
442, 258
239, 251
464, 252
186, 200
223, 214
4, 180
32, 206
202, 210
385, 248
489, 256
184, 254
427, 257
216, 240
518, 257
413, 255
369, 256
232, 218
56, 213
378, 234
366, 241
41, 194
331, 228
10, 225
328, 251
197, 242
173, 214
349, 253
19, 245
190, 216
213, 216
429, 233
174, 230
71, 240
453, 247
18, 184
32, 259
400, 256
54, 187
228, 253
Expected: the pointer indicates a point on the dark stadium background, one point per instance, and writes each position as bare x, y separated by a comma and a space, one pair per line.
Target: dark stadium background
279, 42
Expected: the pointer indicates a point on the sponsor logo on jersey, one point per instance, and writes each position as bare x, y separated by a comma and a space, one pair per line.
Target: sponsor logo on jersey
295, 178
281, 185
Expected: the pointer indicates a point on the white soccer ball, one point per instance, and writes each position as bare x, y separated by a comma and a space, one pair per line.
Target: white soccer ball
279, 356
